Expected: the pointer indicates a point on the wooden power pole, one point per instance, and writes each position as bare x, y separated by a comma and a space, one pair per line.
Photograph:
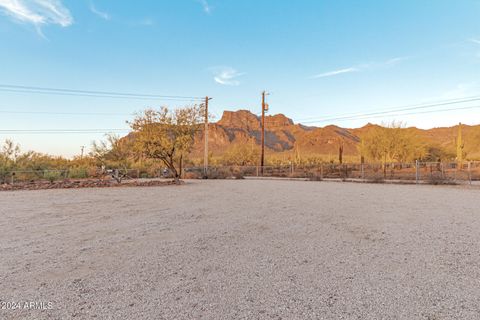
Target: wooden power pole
205, 156
264, 108
460, 145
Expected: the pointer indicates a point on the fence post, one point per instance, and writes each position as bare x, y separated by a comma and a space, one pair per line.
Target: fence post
416, 171
362, 169
455, 172
321, 171
470, 172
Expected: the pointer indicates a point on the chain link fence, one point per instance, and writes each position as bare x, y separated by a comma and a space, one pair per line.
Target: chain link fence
22, 176
417, 172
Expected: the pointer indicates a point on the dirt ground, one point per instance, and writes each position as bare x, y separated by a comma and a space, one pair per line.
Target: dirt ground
247, 249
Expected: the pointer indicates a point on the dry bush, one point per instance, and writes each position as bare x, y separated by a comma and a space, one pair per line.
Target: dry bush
52, 176
237, 173
219, 173
376, 179
315, 177
192, 175
438, 179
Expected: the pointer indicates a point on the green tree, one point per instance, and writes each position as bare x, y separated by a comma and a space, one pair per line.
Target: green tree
242, 155
8, 158
114, 153
167, 135
391, 143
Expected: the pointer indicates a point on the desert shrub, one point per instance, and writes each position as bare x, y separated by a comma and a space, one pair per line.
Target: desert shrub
52, 175
376, 179
238, 173
4, 173
241, 155
219, 173
315, 177
192, 175
299, 174
78, 173
438, 179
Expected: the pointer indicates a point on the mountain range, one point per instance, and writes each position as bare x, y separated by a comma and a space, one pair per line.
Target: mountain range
285, 138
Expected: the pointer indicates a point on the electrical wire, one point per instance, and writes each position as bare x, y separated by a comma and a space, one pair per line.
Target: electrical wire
398, 109
60, 131
66, 113
109, 94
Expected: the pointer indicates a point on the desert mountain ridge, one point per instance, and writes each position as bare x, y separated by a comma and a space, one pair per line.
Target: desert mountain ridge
283, 136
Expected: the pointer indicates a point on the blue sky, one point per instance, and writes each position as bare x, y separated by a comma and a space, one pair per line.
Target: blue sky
318, 58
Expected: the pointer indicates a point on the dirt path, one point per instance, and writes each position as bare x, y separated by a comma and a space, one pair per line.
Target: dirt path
242, 249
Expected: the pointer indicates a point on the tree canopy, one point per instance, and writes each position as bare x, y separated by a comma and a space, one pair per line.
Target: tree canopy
167, 135
391, 143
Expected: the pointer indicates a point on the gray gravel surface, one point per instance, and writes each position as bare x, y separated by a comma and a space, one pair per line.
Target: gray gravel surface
242, 250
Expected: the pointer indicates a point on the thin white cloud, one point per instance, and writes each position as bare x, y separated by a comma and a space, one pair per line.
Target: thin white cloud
476, 41
226, 76
395, 61
37, 12
335, 73
101, 14
361, 67
206, 7
462, 90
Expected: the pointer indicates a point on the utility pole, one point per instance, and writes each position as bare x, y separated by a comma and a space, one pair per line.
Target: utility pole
264, 108
82, 148
205, 156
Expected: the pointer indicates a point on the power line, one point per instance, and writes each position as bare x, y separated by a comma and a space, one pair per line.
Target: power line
96, 95
405, 108
98, 92
66, 113
90, 93
421, 112
103, 131
361, 117
60, 131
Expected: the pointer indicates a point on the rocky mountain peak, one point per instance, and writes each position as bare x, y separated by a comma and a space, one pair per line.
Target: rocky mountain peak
239, 119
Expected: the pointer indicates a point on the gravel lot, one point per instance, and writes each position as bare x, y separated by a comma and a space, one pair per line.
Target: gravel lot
244, 249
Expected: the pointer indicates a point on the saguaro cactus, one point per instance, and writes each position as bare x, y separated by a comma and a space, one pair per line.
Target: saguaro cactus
340, 151
460, 145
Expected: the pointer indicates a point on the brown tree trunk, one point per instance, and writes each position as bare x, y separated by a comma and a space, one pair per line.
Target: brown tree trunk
181, 165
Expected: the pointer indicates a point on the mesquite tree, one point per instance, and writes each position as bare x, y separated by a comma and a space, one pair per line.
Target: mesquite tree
114, 153
8, 156
167, 135
391, 143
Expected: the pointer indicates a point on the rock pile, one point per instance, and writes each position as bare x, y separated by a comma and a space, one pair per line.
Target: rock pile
83, 183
